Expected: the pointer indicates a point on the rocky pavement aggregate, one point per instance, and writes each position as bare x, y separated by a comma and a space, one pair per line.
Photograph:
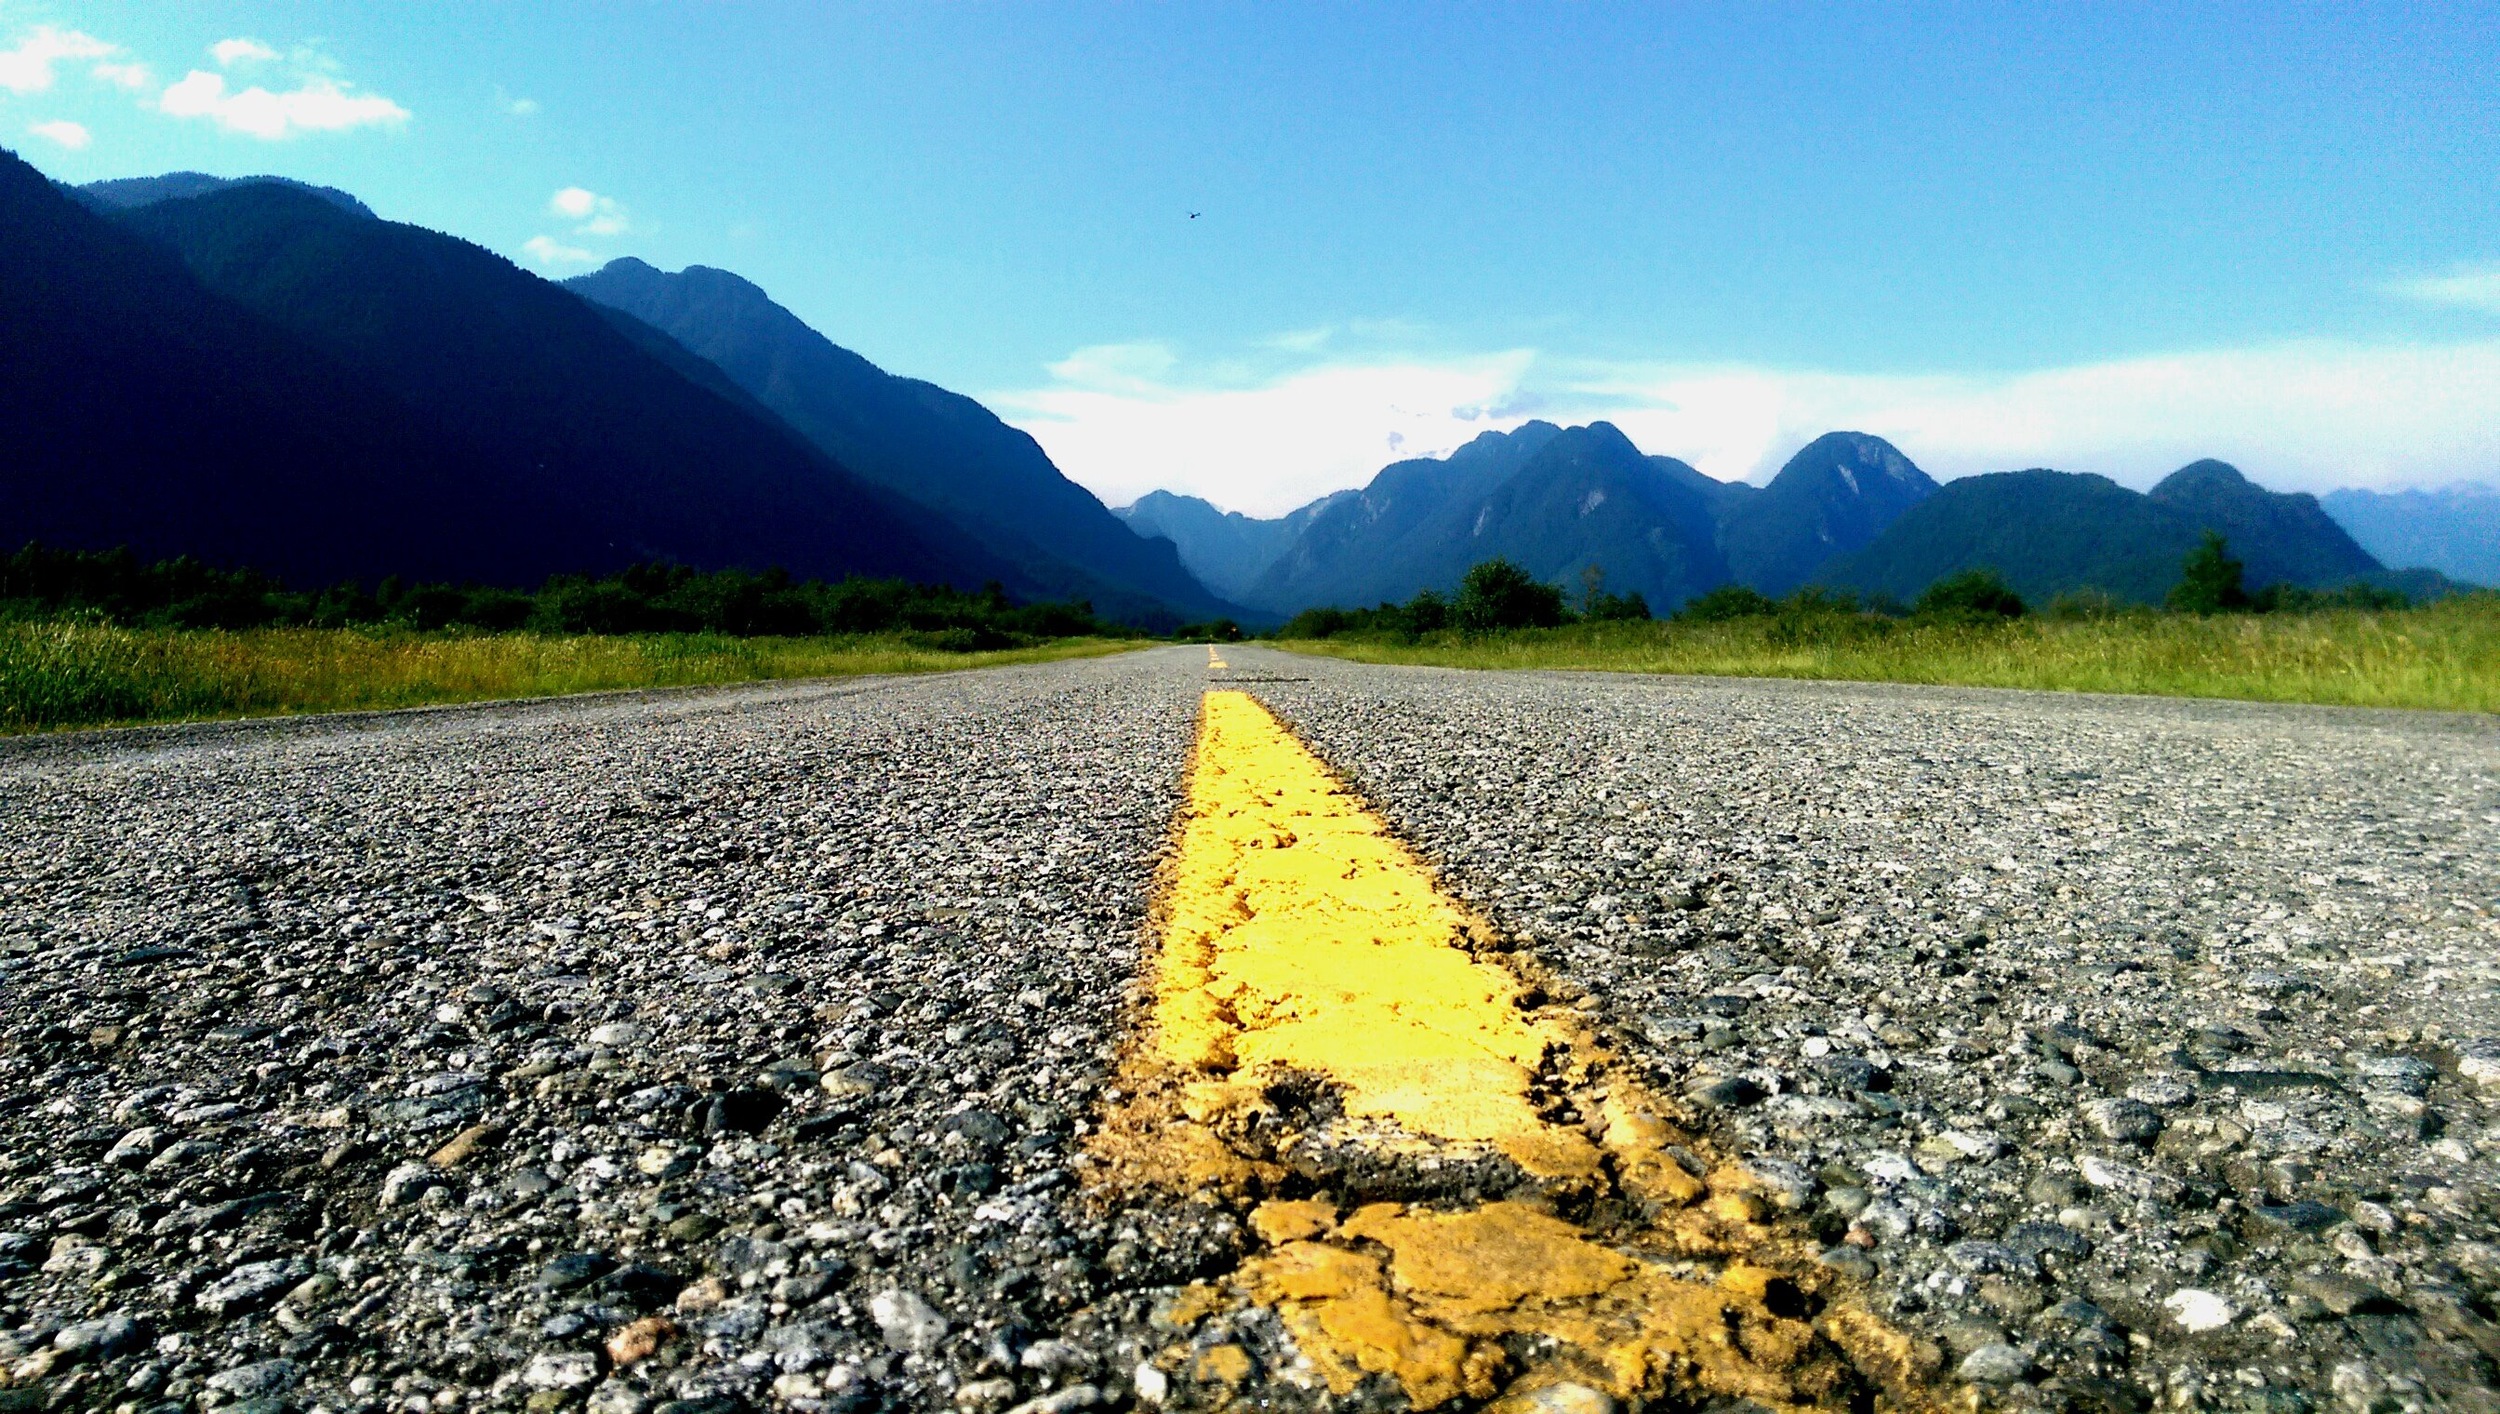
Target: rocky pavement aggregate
2141, 1052
737, 1051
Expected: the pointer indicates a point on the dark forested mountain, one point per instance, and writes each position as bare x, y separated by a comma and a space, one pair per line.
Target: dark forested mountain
1370, 546
2045, 532
625, 457
2455, 529
1591, 499
259, 376
2050, 532
137, 408
1226, 550
127, 193
940, 449
1837, 494
2283, 537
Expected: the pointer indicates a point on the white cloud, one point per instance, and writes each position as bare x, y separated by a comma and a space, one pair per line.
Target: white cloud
73, 136
2300, 416
317, 104
2467, 287
598, 215
27, 68
131, 76
517, 107
230, 52
547, 250
1116, 419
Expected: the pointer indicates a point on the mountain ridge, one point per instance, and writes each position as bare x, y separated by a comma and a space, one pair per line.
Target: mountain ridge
260, 376
932, 446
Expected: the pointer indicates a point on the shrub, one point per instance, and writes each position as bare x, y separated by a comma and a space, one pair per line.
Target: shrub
1498, 595
1973, 596
1617, 608
1728, 601
2081, 605
2293, 599
1427, 612
1317, 623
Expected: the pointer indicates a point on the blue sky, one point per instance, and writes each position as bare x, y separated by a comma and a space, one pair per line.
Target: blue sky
2103, 238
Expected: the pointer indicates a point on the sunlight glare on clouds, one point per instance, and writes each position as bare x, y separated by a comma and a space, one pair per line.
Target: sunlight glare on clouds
1126, 419
27, 67
317, 104
73, 136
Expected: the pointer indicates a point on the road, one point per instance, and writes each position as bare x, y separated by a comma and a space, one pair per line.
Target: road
781, 1047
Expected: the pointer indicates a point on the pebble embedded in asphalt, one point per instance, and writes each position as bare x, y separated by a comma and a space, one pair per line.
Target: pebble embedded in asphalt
735, 1049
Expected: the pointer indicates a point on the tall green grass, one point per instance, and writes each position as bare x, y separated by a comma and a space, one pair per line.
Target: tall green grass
2445, 655
70, 674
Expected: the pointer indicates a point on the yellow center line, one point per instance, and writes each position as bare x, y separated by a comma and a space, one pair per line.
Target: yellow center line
1444, 1168
1214, 659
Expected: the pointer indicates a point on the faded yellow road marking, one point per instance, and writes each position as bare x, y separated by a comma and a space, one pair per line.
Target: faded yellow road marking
1458, 1189
1214, 659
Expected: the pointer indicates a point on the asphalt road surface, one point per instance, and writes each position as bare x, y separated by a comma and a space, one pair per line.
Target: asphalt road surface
750, 1048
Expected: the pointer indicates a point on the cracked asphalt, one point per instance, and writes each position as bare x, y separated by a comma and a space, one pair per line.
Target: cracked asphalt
739, 1049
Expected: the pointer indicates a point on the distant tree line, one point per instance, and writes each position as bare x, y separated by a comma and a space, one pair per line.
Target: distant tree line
1498, 595
115, 586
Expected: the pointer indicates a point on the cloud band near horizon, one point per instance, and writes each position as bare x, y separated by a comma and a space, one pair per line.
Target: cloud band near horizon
2306, 416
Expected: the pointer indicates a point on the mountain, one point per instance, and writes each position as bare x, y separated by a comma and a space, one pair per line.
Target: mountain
1375, 544
2281, 536
259, 376
1836, 495
1555, 501
2455, 529
2046, 532
130, 193
137, 408
939, 449
1591, 499
1226, 550
1662, 528
2052, 532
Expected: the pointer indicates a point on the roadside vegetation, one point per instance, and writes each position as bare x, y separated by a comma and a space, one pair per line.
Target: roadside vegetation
101, 639
2361, 646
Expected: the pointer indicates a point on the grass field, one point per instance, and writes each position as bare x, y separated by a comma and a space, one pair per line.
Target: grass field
55, 675
2446, 655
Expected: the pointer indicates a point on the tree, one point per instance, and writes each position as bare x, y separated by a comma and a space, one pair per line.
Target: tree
1498, 595
2210, 581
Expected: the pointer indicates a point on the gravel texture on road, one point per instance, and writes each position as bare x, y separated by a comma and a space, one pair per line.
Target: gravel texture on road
737, 1050
2140, 1051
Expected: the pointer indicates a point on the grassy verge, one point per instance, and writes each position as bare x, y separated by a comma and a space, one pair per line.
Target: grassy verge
2446, 655
55, 675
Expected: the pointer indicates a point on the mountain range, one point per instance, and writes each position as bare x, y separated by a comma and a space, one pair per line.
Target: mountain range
260, 372
2454, 529
263, 373
1847, 512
